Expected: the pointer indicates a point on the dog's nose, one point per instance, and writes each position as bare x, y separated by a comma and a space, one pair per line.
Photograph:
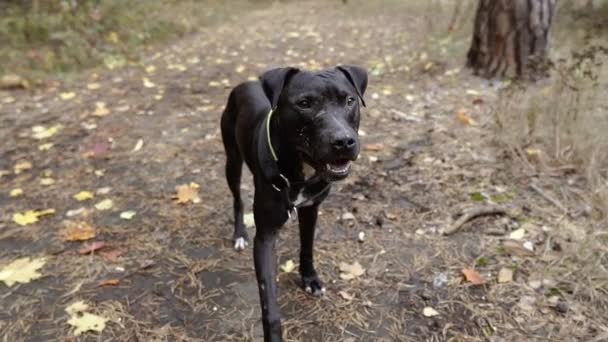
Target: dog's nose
343, 143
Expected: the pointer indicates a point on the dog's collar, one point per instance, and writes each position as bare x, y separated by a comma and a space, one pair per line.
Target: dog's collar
269, 169
272, 152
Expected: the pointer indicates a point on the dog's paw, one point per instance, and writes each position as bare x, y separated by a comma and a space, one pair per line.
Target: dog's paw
240, 243
312, 285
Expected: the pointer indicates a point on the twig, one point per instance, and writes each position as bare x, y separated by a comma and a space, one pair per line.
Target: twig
548, 197
471, 213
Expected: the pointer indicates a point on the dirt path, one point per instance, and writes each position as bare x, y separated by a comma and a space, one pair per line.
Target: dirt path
180, 280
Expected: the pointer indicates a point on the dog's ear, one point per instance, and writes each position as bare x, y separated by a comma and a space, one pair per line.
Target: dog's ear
357, 76
273, 82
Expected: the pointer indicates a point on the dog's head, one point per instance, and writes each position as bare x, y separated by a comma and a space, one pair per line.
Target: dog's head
318, 114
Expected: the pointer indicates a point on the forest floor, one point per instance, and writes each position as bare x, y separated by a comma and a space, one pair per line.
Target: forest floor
159, 270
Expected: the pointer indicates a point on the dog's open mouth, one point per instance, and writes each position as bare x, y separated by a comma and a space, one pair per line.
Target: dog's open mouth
339, 168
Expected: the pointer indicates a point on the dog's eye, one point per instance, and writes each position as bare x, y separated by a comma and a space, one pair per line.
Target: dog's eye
350, 101
303, 104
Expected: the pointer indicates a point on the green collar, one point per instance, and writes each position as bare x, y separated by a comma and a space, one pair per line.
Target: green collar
274, 155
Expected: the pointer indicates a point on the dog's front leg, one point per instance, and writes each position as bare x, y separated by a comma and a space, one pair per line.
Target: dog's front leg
308, 222
264, 253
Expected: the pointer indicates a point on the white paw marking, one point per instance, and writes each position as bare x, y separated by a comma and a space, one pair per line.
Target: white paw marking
308, 289
240, 244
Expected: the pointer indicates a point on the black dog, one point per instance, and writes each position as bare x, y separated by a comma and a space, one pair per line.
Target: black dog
298, 132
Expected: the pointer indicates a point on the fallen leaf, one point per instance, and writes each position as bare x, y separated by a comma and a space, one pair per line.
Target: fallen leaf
103, 191
21, 166
112, 255
12, 81
109, 282
83, 196
472, 276
374, 147
429, 312
465, 118
83, 321
106, 204
148, 83
41, 132
505, 275
249, 220
514, 247
47, 181
346, 295
78, 231
288, 266
22, 271
187, 193
30, 216
100, 109
45, 147
67, 96
16, 192
93, 86
127, 215
76, 307
139, 145
92, 247
351, 271
517, 234
150, 69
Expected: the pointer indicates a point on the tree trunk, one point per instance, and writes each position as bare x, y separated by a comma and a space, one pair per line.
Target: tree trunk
510, 37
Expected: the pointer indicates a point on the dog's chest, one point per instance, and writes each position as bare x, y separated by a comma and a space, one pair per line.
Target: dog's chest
305, 196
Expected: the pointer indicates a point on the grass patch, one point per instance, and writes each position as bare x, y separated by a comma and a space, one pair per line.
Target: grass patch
62, 36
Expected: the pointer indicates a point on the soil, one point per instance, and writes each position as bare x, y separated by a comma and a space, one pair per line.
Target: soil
179, 277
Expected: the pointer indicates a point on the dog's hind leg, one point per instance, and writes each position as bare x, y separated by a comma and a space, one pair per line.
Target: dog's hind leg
234, 168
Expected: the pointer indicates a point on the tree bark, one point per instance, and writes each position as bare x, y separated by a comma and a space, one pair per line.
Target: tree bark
510, 37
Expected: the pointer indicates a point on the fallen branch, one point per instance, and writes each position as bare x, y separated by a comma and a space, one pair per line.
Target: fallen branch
469, 214
548, 197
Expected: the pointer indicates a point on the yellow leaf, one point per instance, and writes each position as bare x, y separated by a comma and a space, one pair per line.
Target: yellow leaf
465, 118
346, 295
78, 231
22, 166
67, 96
187, 193
41, 132
25, 218
288, 267
150, 69
138, 145
83, 196
45, 147
16, 192
240, 69
100, 109
113, 37
47, 181
517, 234
93, 86
106, 204
351, 271
148, 83
83, 321
21, 271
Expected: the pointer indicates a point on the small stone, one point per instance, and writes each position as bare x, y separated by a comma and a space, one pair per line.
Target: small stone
562, 307
440, 280
429, 312
535, 284
348, 216
361, 236
529, 246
